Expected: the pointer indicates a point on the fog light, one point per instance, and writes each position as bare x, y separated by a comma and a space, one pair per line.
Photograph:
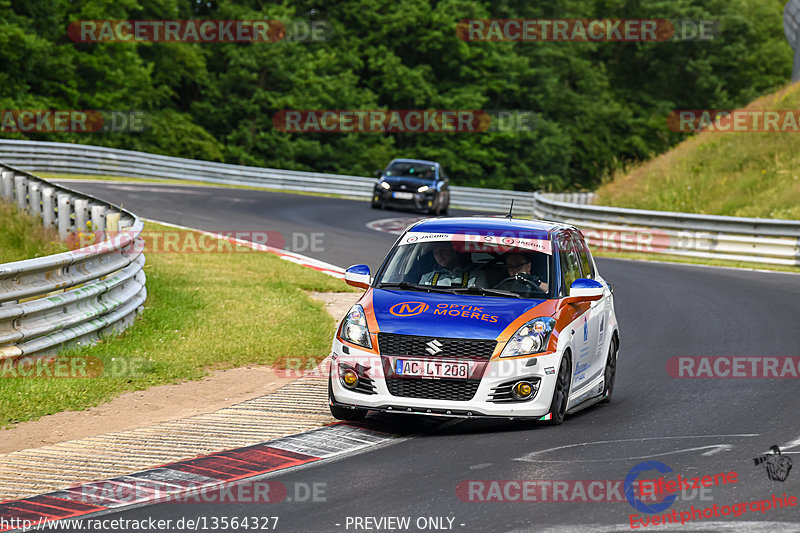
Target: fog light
522, 390
350, 379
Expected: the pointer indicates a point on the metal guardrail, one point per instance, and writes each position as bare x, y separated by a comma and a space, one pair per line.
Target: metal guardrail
75, 297
757, 240
96, 160
765, 241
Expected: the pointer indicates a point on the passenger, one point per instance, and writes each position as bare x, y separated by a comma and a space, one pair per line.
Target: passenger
447, 272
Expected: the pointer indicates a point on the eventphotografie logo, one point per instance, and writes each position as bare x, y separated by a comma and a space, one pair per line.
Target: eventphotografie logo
777, 466
633, 496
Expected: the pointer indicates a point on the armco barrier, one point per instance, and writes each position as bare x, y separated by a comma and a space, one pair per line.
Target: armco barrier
758, 240
95, 160
74, 297
765, 241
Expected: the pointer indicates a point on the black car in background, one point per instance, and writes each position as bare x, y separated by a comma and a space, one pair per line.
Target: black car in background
414, 184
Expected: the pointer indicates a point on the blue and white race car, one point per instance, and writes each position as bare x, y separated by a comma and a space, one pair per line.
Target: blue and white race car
478, 317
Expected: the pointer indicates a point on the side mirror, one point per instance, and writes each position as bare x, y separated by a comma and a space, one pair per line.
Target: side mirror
378, 173
587, 290
358, 276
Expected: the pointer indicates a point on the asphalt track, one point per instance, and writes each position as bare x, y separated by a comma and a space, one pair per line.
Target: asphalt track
695, 426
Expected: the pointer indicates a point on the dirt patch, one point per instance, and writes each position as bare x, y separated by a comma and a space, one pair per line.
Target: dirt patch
163, 403
141, 408
337, 303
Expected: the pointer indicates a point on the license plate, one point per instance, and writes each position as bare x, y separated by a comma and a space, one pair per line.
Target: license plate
431, 369
403, 195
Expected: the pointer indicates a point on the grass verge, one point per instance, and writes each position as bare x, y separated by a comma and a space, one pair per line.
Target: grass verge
738, 174
23, 236
205, 311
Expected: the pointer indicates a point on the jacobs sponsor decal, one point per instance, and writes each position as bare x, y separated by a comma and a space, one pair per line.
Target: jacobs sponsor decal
404, 309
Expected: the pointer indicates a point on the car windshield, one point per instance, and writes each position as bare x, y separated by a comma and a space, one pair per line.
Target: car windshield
470, 264
410, 170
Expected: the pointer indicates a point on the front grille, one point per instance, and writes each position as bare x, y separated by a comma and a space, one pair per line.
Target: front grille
433, 389
416, 346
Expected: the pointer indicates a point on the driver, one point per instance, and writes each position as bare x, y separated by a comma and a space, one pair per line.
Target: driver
447, 271
518, 266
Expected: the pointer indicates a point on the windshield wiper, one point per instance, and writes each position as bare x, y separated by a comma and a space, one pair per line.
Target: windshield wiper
482, 290
406, 286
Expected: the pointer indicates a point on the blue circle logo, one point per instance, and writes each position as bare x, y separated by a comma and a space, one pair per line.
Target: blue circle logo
630, 484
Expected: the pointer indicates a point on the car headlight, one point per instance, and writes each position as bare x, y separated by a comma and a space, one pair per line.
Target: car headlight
354, 327
530, 338
423, 188
385, 185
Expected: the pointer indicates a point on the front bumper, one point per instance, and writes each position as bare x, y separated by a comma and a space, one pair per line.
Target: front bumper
483, 403
420, 201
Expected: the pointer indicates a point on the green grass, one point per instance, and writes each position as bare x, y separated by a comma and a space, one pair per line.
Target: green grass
738, 174
204, 311
23, 236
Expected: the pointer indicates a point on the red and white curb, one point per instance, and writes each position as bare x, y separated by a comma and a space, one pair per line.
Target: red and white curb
395, 226
205, 479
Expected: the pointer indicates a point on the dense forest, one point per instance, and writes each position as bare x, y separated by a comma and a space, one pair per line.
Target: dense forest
597, 105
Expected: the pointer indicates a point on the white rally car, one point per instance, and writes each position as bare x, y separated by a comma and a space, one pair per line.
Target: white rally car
478, 317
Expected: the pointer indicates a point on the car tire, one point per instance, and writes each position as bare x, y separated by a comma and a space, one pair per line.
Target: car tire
610, 371
558, 405
439, 206
434, 209
344, 413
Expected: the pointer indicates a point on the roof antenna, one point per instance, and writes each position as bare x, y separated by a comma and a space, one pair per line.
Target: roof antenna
510, 209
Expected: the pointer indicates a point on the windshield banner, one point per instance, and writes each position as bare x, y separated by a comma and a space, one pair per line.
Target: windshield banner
473, 242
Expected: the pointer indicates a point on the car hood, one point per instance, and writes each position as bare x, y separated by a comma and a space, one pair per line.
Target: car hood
447, 315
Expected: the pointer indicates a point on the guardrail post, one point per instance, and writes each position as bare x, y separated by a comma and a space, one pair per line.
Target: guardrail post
7, 184
48, 206
112, 223
64, 212
81, 214
99, 217
21, 188
35, 199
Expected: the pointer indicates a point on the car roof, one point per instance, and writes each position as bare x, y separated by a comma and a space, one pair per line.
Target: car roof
483, 225
422, 161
